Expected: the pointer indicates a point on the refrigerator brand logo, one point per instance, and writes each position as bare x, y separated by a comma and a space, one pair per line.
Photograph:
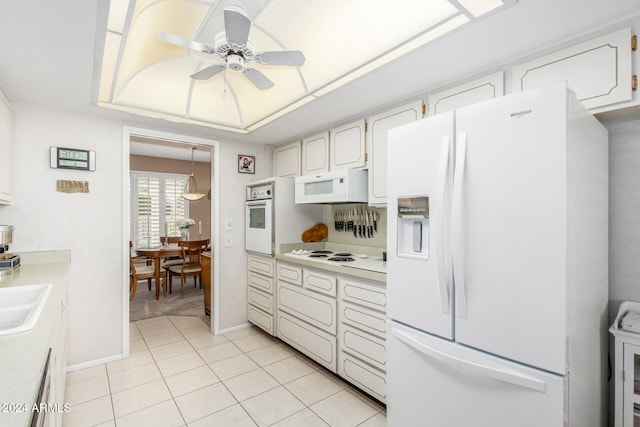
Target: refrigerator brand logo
519, 114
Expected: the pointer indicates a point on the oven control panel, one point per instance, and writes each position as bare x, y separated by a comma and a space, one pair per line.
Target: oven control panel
264, 191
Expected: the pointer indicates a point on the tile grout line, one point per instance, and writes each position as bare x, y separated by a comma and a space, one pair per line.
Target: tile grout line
379, 409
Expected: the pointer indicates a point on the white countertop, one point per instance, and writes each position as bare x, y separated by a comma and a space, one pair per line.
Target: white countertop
22, 355
368, 262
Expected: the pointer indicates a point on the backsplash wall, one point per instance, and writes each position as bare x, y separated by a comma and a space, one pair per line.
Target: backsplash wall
379, 238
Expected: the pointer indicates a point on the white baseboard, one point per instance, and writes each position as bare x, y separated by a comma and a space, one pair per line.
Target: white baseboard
234, 328
93, 363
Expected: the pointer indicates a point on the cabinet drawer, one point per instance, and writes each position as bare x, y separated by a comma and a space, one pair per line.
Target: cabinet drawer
319, 282
318, 310
314, 343
261, 300
363, 376
261, 319
364, 346
290, 273
363, 318
369, 294
260, 265
261, 282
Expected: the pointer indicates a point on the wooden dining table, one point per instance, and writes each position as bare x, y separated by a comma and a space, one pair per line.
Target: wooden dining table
157, 254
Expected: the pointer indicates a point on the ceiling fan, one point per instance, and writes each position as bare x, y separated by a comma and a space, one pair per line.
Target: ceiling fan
236, 49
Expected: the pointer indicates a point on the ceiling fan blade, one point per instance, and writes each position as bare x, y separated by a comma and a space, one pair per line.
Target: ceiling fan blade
236, 25
182, 42
207, 72
258, 79
293, 58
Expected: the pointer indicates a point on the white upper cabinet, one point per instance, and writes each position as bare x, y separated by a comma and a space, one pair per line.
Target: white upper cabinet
6, 149
287, 160
347, 148
315, 153
377, 146
598, 71
483, 89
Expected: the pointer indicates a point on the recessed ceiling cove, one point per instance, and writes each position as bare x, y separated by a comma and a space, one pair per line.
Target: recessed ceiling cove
238, 65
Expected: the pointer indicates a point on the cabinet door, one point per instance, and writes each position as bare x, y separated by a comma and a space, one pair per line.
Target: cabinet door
6, 149
317, 344
598, 71
261, 265
315, 309
315, 153
287, 160
631, 404
379, 125
289, 273
261, 282
261, 319
347, 148
319, 282
482, 89
366, 293
363, 375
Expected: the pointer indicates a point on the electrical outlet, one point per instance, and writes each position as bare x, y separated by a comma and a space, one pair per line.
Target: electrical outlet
228, 223
228, 240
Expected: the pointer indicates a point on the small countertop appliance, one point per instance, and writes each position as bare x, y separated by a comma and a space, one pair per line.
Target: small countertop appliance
8, 261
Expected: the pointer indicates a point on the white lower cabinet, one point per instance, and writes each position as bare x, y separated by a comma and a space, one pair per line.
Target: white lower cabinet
317, 310
363, 376
261, 307
261, 319
318, 345
319, 282
338, 321
57, 369
362, 327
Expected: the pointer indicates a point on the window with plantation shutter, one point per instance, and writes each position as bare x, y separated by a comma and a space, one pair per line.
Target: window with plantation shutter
156, 205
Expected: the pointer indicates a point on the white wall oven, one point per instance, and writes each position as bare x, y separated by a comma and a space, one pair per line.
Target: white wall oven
259, 219
273, 218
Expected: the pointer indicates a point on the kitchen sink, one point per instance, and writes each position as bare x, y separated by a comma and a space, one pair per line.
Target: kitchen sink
21, 306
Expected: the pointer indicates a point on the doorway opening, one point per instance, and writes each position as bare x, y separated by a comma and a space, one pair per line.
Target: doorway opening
162, 154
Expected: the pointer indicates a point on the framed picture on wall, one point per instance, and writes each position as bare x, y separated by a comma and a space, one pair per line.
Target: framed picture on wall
246, 164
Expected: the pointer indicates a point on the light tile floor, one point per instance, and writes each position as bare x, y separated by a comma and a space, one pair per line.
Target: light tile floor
178, 374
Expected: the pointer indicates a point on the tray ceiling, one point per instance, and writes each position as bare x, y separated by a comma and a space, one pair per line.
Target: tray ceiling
341, 41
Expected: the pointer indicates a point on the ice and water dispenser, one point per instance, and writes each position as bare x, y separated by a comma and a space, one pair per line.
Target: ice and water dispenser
413, 227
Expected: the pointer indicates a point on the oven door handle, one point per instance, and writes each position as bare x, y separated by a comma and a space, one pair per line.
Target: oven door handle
257, 203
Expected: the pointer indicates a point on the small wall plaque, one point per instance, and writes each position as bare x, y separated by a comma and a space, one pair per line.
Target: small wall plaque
65, 186
72, 158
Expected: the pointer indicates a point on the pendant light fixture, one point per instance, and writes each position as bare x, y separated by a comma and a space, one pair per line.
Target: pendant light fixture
191, 187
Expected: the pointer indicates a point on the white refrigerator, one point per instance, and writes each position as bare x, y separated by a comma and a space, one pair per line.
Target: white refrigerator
497, 265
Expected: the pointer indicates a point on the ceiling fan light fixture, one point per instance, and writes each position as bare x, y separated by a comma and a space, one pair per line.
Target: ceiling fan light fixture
235, 62
190, 191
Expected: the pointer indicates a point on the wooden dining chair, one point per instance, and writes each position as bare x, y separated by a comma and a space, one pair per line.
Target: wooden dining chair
174, 260
141, 268
191, 262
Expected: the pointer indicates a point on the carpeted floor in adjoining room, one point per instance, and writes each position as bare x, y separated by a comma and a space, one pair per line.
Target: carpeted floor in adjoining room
145, 305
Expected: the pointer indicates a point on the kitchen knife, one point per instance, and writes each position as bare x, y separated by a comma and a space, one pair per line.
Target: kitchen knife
354, 224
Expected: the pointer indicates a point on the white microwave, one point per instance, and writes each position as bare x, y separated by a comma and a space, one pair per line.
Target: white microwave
339, 186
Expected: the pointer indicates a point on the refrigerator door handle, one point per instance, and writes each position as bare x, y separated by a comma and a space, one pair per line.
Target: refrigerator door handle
473, 367
457, 226
443, 276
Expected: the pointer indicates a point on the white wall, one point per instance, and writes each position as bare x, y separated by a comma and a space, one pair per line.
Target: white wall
624, 212
233, 260
88, 224
91, 225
